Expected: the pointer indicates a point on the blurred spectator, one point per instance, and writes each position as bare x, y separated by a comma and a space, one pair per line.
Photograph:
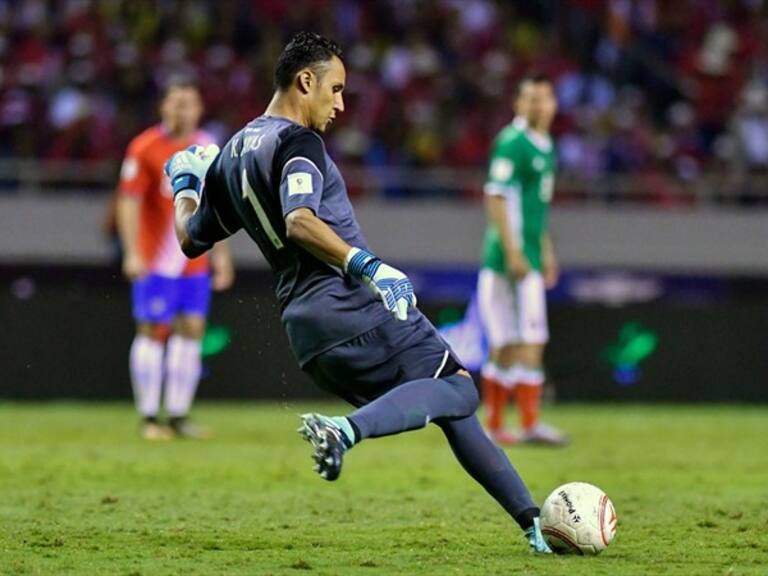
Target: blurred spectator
749, 139
644, 85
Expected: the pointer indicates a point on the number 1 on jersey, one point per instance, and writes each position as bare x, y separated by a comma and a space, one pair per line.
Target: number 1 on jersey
266, 225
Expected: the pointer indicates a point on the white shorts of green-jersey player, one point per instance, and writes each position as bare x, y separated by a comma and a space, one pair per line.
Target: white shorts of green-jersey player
513, 312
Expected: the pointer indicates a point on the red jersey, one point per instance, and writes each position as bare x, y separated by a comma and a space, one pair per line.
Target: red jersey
142, 177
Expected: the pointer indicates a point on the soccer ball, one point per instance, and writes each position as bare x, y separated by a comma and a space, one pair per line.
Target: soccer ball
578, 518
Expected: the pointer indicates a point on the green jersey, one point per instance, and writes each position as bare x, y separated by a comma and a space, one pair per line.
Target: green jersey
522, 170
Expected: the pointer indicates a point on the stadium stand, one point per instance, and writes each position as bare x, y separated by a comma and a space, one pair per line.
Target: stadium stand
668, 93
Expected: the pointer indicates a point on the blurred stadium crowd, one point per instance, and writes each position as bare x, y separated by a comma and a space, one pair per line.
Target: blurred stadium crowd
658, 87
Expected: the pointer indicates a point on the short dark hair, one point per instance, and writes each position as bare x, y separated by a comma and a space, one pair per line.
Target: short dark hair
534, 77
178, 81
304, 50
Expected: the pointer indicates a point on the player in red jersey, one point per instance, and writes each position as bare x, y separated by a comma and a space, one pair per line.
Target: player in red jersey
171, 294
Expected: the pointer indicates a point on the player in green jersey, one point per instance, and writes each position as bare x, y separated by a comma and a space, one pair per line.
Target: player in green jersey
519, 263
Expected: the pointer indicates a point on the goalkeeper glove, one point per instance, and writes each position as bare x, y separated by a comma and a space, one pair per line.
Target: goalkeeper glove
392, 286
187, 170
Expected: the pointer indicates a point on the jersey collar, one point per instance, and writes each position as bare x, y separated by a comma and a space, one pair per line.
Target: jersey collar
541, 141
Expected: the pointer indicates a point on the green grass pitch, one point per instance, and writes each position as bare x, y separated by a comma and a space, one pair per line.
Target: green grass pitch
80, 493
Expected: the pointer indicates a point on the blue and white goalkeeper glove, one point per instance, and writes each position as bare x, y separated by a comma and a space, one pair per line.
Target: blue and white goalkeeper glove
392, 286
187, 170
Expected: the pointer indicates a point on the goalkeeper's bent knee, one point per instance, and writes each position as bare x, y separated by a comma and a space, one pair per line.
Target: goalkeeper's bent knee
466, 388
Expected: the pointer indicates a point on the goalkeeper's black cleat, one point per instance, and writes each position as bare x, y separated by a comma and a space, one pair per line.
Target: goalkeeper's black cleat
328, 441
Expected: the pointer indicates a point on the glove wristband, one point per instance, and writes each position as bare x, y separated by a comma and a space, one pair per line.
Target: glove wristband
186, 182
359, 263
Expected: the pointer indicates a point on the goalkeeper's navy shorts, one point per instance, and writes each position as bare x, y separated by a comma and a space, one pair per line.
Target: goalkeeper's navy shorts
363, 368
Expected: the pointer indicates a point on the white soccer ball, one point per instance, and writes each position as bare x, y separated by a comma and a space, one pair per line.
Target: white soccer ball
578, 518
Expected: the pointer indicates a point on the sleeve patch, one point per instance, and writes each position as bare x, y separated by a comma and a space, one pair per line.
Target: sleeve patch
299, 183
501, 169
130, 169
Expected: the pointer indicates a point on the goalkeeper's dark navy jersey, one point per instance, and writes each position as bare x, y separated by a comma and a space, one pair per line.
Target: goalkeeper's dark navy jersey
269, 168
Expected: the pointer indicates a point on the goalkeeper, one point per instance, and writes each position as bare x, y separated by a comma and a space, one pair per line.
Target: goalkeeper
351, 319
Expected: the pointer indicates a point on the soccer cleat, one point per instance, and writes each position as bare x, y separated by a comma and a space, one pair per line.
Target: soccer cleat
183, 428
536, 539
154, 431
545, 435
329, 443
504, 437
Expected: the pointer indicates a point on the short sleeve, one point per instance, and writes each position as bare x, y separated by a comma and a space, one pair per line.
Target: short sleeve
207, 226
135, 176
301, 164
502, 178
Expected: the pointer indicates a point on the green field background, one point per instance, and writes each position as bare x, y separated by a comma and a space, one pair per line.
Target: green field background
81, 493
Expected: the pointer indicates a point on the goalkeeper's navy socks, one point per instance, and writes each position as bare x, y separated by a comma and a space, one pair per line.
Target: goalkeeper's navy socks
526, 518
490, 467
415, 404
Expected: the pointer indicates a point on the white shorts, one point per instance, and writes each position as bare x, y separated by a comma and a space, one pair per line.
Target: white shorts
513, 312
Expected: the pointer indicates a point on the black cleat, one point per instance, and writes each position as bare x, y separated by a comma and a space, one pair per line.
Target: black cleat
328, 441
183, 428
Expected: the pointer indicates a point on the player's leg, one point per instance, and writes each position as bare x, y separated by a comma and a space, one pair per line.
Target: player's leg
447, 396
450, 402
528, 393
490, 467
530, 381
530, 363
496, 304
491, 390
507, 377
394, 373
151, 312
184, 356
414, 404
401, 374
409, 406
